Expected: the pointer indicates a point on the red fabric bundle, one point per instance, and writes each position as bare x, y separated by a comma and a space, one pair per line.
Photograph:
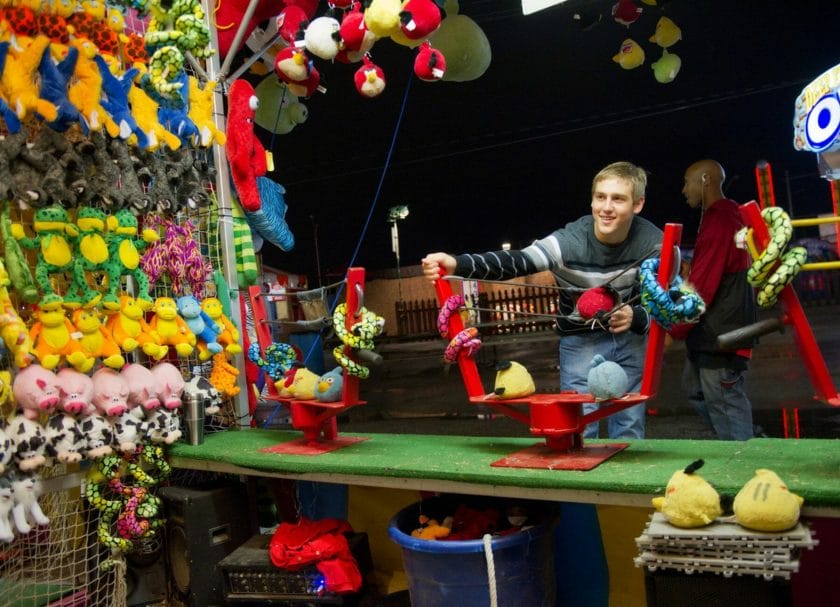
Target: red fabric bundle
322, 543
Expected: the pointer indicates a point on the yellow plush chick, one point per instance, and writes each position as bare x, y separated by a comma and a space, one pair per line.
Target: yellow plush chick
630, 55
667, 33
689, 501
512, 380
303, 385
766, 504
431, 529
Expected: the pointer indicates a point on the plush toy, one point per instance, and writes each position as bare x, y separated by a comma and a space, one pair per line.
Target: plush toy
666, 68
630, 55
13, 331
223, 376
229, 335
430, 64
667, 33
174, 114
10, 118
606, 380
100, 172
360, 337
55, 255
170, 385
512, 380
689, 501
115, 99
145, 112
36, 391
142, 387
163, 426
124, 258
277, 358
19, 81
369, 79
303, 384
246, 258
355, 35
244, 151
129, 328
5, 451
766, 504
75, 392
626, 12
280, 111
28, 442
55, 78
229, 14
199, 388
595, 300
64, 437
464, 44
85, 90
90, 255
382, 17
7, 534
322, 37
26, 489
16, 264
53, 341
270, 220
201, 325
110, 392
431, 529
202, 113
99, 434
329, 386
292, 65
419, 18
7, 400
170, 327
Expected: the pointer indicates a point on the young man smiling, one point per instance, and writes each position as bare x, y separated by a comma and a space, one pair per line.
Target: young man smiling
589, 252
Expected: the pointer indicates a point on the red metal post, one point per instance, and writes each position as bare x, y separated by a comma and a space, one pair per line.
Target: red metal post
793, 314
764, 181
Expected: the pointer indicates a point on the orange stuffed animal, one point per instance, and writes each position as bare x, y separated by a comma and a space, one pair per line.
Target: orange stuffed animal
130, 330
171, 328
96, 339
53, 341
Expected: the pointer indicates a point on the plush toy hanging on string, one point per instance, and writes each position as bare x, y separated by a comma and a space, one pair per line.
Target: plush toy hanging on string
680, 303
369, 79
244, 151
430, 64
630, 55
357, 39
626, 12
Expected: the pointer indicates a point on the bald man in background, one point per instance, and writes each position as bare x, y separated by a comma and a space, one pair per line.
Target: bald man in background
714, 378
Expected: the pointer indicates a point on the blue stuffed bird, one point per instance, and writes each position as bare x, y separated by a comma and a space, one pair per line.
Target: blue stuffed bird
329, 386
606, 379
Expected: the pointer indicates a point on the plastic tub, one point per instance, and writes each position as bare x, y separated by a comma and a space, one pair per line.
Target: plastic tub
455, 573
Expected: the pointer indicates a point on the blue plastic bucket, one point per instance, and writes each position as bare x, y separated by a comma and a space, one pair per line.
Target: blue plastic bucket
455, 573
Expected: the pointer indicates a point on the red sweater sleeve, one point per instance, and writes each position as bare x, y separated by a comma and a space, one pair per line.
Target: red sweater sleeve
711, 256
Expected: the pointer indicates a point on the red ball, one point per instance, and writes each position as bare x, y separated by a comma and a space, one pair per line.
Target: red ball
595, 300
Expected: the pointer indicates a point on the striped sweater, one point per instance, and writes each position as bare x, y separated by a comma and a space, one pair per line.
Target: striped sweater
578, 262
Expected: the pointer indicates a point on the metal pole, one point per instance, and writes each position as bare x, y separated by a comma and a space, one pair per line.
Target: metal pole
317, 248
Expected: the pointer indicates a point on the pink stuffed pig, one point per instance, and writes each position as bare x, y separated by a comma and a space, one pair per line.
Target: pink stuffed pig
142, 387
75, 392
170, 384
36, 390
110, 392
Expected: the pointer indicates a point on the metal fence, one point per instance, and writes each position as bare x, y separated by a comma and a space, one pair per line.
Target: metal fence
510, 311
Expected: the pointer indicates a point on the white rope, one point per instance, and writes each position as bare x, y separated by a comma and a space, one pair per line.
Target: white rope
491, 569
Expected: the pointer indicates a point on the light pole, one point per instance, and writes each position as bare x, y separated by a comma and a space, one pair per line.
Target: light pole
394, 215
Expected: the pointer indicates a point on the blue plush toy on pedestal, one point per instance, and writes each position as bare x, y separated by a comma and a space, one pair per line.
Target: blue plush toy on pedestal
606, 379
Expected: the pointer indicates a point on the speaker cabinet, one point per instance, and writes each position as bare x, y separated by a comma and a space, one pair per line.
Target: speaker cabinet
145, 576
203, 525
668, 588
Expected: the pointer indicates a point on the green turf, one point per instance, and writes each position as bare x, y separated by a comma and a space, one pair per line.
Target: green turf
810, 467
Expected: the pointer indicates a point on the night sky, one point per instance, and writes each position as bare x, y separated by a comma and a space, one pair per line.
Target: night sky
510, 156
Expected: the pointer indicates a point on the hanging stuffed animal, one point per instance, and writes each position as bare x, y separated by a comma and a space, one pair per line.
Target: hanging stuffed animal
201, 325
355, 35
129, 328
270, 220
419, 18
626, 12
16, 264
430, 64
201, 112
90, 255
369, 79
630, 55
13, 331
170, 327
229, 335
124, 258
245, 152
322, 37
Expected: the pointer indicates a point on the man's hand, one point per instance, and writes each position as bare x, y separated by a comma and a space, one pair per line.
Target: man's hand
621, 319
433, 263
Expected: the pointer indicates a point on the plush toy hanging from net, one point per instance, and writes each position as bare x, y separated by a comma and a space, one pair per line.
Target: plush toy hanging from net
680, 303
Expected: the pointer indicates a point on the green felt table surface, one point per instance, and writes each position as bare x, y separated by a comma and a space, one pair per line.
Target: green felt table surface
810, 467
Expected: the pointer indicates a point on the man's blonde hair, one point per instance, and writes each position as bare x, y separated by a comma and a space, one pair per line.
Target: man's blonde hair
626, 171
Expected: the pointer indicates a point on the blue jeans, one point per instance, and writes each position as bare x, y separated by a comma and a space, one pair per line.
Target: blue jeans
718, 396
626, 349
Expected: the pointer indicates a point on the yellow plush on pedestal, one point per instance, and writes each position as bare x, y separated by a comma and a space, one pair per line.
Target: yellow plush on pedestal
689, 501
766, 504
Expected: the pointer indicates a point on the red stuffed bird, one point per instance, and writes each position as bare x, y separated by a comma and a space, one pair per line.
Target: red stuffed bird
626, 12
292, 65
419, 18
430, 64
245, 152
370, 79
290, 21
354, 33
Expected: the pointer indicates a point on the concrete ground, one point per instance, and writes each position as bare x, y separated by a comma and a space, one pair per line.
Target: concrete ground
413, 391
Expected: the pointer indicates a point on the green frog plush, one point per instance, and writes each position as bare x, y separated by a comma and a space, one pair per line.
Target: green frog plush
124, 258
91, 256
55, 254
